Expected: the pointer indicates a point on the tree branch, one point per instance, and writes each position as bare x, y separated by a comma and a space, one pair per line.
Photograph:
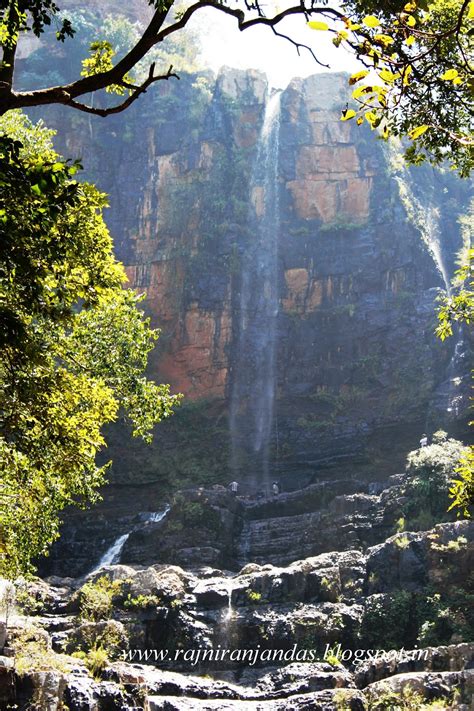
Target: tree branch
154, 33
133, 96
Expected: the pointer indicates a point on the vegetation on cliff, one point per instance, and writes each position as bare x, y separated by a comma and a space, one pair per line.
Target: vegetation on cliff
74, 343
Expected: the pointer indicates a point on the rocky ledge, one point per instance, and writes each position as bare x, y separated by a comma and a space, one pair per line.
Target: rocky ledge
304, 623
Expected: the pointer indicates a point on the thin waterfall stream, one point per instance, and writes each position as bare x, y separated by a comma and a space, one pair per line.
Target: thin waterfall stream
113, 554
452, 395
253, 386
427, 218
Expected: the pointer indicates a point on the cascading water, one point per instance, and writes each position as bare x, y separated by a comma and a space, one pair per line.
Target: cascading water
451, 392
253, 377
112, 555
426, 216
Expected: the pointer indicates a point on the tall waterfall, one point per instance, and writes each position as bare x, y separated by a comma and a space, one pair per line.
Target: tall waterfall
253, 377
450, 394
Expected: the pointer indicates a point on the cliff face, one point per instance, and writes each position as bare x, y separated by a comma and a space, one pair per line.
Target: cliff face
355, 275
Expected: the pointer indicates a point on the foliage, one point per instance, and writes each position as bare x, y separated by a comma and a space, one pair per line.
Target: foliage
7, 599
416, 54
418, 79
402, 541
430, 471
387, 621
142, 602
195, 514
28, 603
74, 346
400, 525
458, 308
95, 659
462, 489
253, 596
403, 619
33, 652
406, 699
96, 598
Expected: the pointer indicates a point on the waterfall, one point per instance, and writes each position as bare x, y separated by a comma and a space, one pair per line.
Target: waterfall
156, 516
112, 555
229, 613
253, 376
432, 238
451, 393
426, 218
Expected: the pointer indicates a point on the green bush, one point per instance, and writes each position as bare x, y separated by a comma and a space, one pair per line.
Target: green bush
97, 597
430, 471
142, 602
96, 660
33, 652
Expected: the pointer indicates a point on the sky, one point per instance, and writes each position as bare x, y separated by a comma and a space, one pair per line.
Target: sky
259, 48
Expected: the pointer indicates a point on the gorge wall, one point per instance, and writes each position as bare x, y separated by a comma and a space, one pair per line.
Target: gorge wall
356, 276
360, 245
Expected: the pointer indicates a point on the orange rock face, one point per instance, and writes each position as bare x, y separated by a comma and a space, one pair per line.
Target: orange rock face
331, 182
196, 363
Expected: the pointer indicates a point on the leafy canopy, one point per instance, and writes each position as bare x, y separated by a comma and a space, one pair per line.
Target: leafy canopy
418, 79
74, 345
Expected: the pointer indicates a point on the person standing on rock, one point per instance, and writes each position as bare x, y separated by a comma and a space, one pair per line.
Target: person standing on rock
234, 487
275, 488
424, 440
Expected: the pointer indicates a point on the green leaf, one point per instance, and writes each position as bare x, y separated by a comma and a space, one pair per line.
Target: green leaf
358, 76
371, 21
387, 76
348, 114
417, 132
449, 75
317, 25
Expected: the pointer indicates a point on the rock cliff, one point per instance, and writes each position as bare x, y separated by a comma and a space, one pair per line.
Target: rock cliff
361, 248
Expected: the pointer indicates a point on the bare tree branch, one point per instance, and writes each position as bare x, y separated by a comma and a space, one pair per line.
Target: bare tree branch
138, 90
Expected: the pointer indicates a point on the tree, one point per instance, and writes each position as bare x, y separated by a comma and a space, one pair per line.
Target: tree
417, 57
74, 344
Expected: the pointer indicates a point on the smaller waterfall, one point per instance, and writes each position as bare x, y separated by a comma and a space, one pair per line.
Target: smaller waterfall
229, 613
432, 236
113, 554
156, 516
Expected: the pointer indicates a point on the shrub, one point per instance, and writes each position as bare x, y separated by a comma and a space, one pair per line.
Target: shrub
387, 621
142, 602
253, 596
33, 652
400, 525
96, 598
96, 660
430, 471
405, 700
402, 541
